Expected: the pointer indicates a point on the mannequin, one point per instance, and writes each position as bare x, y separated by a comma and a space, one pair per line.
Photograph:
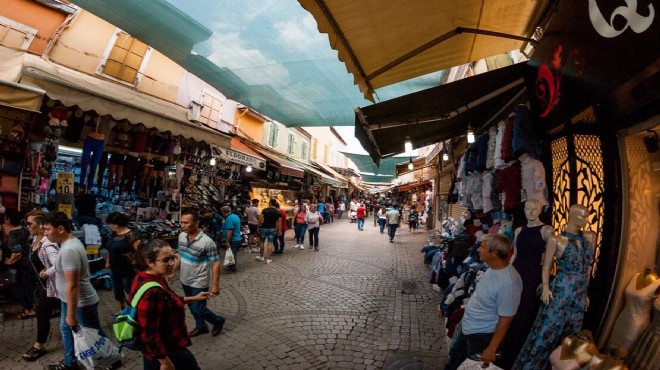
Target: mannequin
529, 246
565, 299
636, 314
533, 179
574, 352
645, 354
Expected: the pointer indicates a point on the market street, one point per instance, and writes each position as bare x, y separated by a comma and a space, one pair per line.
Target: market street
358, 303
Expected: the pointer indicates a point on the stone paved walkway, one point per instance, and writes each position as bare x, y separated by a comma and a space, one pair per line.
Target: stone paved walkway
358, 303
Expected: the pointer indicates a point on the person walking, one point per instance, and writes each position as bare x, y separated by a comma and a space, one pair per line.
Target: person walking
80, 303
161, 315
314, 221
252, 214
342, 209
43, 257
322, 209
16, 255
413, 217
491, 308
361, 215
278, 242
270, 225
382, 218
393, 220
200, 265
300, 225
231, 233
121, 245
331, 212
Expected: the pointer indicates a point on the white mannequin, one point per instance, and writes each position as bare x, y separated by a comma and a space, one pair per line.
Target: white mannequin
532, 212
578, 218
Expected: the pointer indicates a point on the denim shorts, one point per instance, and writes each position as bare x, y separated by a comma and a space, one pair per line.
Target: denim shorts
267, 234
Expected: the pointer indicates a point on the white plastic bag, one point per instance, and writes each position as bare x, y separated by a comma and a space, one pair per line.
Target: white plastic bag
476, 365
93, 349
229, 258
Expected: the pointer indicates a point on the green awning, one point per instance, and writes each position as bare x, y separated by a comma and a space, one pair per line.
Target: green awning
377, 179
365, 164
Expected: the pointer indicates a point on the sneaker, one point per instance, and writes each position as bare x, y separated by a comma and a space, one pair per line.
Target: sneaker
259, 258
316, 249
269, 261
302, 247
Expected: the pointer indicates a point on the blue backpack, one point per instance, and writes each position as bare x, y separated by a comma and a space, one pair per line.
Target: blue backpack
126, 328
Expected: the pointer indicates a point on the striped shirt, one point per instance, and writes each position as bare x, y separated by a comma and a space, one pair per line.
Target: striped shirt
197, 257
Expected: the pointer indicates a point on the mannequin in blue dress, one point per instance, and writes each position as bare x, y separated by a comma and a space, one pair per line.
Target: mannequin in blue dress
565, 298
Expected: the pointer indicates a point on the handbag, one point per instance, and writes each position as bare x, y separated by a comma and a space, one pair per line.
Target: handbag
8, 276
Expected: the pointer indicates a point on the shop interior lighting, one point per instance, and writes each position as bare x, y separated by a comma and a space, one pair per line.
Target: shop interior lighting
470, 135
445, 154
248, 169
213, 162
410, 164
407, 145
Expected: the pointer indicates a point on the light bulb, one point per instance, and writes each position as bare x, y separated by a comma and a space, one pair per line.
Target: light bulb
407, 145
410, 165
445, 156
248, 169
470, 136
213, 162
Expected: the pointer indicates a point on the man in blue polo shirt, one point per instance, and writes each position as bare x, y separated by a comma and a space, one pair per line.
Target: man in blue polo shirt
200, 265
231, 233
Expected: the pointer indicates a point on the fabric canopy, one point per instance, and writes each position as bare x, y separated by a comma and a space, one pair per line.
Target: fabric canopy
108, 98
366, 165
377, 179
439, 113
384, 42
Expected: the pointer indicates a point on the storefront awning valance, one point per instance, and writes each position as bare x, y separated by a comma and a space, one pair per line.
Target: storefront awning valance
20, 96
324, 177
241, 154
382, 43
439, 113
332, 173
366, 164
120, 102
413, 185
286, 167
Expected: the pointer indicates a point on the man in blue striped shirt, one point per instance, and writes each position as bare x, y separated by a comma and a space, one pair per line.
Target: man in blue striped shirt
200, 264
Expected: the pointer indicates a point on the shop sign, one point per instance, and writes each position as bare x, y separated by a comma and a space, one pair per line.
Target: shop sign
234, 156
64, 183
66, 208
590, 49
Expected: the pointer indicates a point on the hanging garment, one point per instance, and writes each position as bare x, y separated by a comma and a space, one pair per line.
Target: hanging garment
91, 156
473, 152
636, 314
530, 247
564, 314
486, 190
482, 152
523, 133
474, 190
507, 140
508, 182
533, 180
497, 156
494, 194
646, 352
492, 138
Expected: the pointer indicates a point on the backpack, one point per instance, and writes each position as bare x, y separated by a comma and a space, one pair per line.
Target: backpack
126, 327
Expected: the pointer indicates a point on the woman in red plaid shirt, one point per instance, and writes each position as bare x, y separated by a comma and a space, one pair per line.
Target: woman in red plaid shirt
160, 312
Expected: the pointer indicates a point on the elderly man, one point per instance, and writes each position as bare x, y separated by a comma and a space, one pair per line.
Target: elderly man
491, 308
231, 233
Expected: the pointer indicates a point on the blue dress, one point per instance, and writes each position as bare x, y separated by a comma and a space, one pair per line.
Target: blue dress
564, 314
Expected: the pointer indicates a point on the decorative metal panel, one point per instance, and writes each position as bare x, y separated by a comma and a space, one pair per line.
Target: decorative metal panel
561, 184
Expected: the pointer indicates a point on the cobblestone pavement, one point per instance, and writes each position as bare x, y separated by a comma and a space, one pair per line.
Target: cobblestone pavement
360, 302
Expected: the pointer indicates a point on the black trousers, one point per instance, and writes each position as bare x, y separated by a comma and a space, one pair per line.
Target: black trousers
44, 307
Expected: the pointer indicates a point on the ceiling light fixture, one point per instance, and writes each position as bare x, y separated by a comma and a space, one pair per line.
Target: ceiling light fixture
213, 162
407, 145
445, 154
248, 169
410, 164
470, 135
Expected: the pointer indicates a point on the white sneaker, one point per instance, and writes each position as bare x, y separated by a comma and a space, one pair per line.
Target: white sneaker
302, 247
269, 261
259, 258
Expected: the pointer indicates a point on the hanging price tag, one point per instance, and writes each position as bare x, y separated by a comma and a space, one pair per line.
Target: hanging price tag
66, 208
64, 182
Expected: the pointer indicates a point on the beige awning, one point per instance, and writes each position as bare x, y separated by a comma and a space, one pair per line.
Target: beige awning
13, 94
385, 42
108, 98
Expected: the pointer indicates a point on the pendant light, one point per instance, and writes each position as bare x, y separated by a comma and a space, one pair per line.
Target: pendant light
213, 161
445, 155
470, 135
410, 164
407, 145
248, 169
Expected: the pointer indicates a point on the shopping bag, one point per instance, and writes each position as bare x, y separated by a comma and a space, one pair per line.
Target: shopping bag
229, 258
93, 349
476, 365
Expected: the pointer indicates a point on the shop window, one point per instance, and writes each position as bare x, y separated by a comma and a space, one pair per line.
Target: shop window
315, 144
290, 144
125, 58
303, 150
16, 35
272, 136
209, 113
326, 152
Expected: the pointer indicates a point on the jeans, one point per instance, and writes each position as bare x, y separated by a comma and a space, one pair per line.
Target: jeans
339, 213
182, 359
44, 306
199, 310
267, 234
91, 155
278, 243
88, 317
121, 283
463, 346
360, 223
381, 223
314, 237
391, 230
300, 233
326, 217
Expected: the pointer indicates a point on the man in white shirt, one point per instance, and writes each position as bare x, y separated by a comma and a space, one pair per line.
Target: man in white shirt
252, 213
393, 220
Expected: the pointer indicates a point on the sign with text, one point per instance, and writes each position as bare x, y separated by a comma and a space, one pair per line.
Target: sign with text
66, 208
235, 156
64, 183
